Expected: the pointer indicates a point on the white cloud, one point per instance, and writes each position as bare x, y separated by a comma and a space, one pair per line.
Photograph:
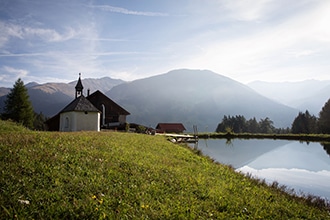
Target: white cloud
247, 10
272, 51
15, 72
49, 35
10, 30
11, 74
128, 12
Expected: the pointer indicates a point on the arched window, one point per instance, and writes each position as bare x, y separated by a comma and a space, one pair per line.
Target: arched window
103, 114
66, 123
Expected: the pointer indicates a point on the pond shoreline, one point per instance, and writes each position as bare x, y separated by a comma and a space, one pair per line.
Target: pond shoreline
297, 137
231, 151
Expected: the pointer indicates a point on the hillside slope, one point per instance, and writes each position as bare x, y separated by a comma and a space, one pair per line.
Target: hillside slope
116, 175
195, 97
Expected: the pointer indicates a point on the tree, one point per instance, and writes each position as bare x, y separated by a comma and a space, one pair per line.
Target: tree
253, 125
304, 123
266, 126
18, 106
39, 122
324, 118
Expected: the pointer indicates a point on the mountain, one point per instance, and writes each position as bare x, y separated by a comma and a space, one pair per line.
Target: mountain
4, 91
305, 95
50, 98
195, 97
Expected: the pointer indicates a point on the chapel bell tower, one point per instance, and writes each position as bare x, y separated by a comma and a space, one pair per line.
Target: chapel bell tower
79, 87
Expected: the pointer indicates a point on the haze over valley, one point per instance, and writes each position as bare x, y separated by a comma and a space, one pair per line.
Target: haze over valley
192, 97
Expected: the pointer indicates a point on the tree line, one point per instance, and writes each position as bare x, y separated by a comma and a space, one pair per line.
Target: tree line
239, 124
303, 123
18, 108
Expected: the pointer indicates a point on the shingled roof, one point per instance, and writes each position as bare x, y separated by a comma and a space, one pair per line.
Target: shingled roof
80, 104
170, 127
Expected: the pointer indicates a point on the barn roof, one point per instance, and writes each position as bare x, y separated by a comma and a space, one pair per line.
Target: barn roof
80, 104
98, 96
171, 127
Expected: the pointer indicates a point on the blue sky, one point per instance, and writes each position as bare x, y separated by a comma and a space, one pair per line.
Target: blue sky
246, 40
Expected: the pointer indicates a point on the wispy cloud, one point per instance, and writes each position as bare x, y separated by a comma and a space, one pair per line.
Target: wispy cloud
52, 53
22, 54
11, 74
297, 44
128, 12
12, 30
247, 10
14, 71
49, 35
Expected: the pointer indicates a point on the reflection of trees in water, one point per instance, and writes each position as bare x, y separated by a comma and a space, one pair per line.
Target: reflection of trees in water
229, 142
326, 147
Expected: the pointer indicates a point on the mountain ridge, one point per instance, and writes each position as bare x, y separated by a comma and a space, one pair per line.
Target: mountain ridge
199, 97
50, 98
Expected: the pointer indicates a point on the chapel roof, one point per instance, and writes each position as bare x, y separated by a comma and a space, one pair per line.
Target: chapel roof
80, 104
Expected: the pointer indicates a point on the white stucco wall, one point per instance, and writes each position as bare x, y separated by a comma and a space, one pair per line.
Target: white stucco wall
80, 121
67, 121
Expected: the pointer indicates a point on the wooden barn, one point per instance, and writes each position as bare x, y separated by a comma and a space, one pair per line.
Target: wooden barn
170, 128
112, 115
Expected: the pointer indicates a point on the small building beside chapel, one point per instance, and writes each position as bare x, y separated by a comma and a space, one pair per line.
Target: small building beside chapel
89, 113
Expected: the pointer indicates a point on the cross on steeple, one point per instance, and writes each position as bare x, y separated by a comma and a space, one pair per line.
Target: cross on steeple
79, 87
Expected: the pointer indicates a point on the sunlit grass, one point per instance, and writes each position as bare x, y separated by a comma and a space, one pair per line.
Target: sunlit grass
89, 175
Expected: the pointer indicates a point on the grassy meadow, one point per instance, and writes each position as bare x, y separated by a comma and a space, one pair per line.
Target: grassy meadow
113, 175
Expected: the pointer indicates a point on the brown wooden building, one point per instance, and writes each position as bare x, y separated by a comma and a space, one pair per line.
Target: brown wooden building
112, 115
170, 128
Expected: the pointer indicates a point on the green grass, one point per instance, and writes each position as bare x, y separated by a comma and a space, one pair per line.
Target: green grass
299, 137
112, 175
10, 126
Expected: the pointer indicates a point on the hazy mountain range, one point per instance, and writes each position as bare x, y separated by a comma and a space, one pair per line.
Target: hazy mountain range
308, 95
50, 98
193, 97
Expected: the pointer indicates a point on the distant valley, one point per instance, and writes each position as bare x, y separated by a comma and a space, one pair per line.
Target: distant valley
305, 95
192, 97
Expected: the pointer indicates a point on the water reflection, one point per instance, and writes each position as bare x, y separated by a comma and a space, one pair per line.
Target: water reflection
302, 166
326, 147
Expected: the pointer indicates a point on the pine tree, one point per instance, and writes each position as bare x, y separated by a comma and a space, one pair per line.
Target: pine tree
304, 123
324, 118
18, 106
39, 122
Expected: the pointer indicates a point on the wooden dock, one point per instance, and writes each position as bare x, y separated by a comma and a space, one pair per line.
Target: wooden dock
180, 138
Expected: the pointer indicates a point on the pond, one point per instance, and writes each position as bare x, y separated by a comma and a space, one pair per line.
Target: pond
304, 167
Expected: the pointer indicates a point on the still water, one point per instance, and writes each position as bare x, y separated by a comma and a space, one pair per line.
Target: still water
304, 167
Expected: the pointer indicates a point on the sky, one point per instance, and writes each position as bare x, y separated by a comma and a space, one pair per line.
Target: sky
246, 40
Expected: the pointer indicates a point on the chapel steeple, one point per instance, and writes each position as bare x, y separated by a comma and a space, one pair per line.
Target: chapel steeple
79, 87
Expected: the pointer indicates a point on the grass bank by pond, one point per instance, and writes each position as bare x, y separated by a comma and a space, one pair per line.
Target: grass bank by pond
298, 137
111, 175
